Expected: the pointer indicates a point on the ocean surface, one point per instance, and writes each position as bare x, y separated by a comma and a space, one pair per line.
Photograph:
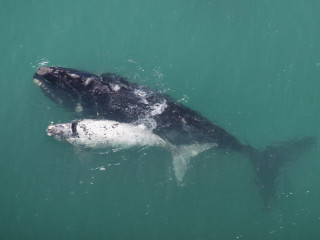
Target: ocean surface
251, 67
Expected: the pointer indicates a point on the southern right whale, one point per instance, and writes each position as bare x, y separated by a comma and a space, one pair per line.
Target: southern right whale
106, 134
112, 97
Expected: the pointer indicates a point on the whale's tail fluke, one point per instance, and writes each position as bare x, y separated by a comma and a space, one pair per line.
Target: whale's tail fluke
267, 163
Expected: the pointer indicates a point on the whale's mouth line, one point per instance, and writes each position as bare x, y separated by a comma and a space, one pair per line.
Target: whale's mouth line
49, 88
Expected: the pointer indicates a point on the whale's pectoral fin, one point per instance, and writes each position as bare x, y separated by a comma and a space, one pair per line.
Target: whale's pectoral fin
180, 165
182, 155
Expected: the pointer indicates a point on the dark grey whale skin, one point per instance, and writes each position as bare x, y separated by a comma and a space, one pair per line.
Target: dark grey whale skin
109, 96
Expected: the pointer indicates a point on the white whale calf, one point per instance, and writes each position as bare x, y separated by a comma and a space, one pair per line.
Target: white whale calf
102, 134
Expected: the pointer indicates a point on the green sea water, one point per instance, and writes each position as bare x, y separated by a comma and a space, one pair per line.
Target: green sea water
252, 67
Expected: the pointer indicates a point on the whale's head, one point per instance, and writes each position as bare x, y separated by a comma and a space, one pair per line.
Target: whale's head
65, 80
68, 87
64, 131
90, 95
61, 132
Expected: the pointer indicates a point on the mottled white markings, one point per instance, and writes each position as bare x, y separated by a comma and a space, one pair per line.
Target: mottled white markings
105, 134
44, 70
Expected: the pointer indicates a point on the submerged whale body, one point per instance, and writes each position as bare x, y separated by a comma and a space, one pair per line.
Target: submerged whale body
112, 97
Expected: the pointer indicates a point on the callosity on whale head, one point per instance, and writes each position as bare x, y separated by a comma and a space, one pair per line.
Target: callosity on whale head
61, 132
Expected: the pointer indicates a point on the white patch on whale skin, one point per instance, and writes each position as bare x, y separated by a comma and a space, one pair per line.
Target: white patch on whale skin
49, 130
73, 75
115, 87
41, 85
37, 82
88, 80
158, 108
78, 108
142, 95
44, 70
